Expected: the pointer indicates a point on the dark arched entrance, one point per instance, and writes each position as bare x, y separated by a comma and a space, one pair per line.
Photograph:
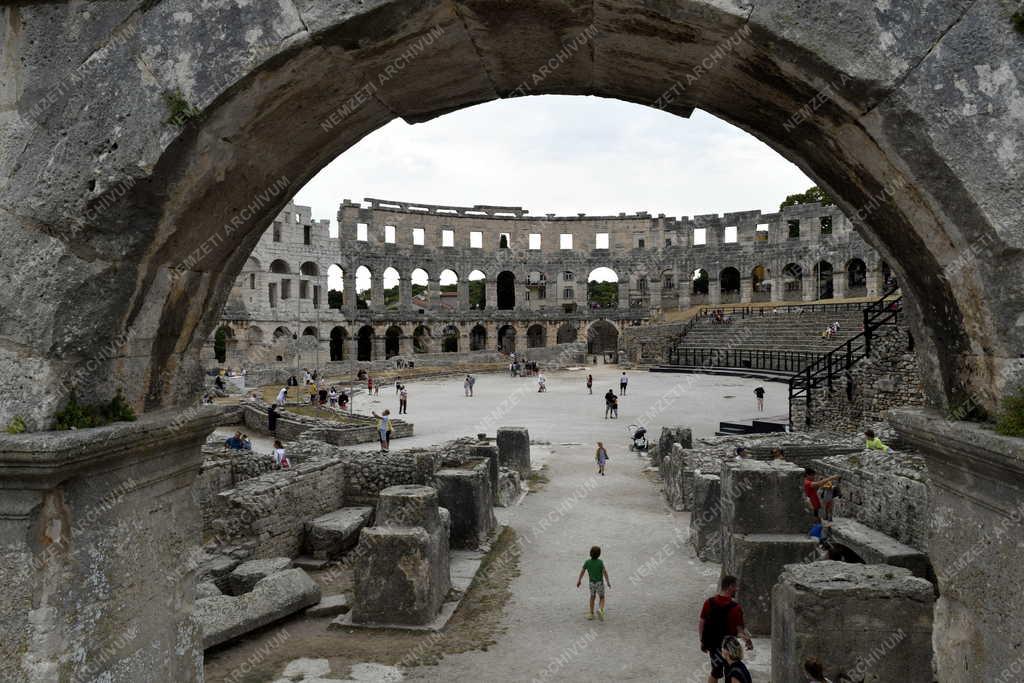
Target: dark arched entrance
536, 336
567, 333
478, 338
392, 341
339, 337
602, 337
365, 343
506, 290
450, 339
507, 338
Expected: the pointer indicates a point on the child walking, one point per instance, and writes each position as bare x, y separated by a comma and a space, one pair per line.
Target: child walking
598, 577
601, 456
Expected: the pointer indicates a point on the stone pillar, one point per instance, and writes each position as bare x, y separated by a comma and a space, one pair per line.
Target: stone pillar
759, 498
98, 528
746, 290
875, 282
654, 288
463, 299
623, 295
348, 292
352, 352
839, 284
683, 290
412, 533
467, 493
975, 489
379, 352
405, 345
757, 561
870, 620
433, 293
491, 294
404, 293
714, 291
514, 449
809, 284
377, 292
778, 288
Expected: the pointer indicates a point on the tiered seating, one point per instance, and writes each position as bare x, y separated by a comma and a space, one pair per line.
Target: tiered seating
772, 345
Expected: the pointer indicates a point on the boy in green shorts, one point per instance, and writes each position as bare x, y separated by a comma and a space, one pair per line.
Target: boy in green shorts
598, 577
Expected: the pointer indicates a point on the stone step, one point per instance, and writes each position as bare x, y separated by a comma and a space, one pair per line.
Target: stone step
875, 547
330, 536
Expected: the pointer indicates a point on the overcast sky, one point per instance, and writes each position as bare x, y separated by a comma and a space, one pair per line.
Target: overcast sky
562, 155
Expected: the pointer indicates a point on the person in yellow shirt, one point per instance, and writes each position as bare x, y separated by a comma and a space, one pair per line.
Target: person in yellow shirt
873, 443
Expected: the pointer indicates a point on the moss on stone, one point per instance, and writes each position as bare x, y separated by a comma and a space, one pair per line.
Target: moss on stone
1011, 418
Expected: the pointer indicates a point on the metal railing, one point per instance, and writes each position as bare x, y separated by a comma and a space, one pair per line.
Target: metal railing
765, 311
753, 359
837, 362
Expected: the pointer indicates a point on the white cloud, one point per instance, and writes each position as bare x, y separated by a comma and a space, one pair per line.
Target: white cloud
562, 155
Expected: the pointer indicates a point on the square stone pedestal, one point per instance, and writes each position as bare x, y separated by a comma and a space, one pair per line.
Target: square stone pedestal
400, 567
760, 497
514, 449
706, 519
466, 493
871, 622
757, 560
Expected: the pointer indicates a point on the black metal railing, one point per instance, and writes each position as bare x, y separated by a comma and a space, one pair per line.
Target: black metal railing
753, 359
785, 308
837, 362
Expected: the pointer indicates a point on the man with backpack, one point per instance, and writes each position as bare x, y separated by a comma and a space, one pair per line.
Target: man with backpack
721, 616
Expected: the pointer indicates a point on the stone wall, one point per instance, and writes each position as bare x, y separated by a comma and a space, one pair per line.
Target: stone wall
889, 379
650, 343
888, 493
351, 430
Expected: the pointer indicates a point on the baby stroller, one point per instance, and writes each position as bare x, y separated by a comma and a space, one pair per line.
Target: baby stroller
639, 438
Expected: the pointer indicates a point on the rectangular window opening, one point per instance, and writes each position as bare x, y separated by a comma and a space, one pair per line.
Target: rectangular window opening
362, 232
476, 240
794, 229
277, 232
826, 225
731, 234
418, 235
307, 234
286, 289
389, 234
447, 238
601, 240
761, 232
700, 236
565, 241
534, 240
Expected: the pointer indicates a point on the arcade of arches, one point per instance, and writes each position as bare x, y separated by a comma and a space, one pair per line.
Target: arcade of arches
127, 219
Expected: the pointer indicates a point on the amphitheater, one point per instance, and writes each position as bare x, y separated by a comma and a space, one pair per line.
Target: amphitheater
152, 248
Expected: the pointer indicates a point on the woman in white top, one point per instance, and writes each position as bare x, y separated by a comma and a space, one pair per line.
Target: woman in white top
280, 457
282, 396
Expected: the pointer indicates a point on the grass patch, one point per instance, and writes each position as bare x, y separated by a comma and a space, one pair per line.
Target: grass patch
78, 416
179, 110
1011, 418
1018, 21
16, 426
538, 479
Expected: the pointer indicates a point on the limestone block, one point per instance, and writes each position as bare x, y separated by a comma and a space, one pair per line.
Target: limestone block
757, 560
872, 622
401, 576
330, 606
207, 589
874, 547
490, 453
223, 618
248, 574
510, 488
514, 449
706, 519
466, 493
763, 498
673, 435
330, 536
408, 505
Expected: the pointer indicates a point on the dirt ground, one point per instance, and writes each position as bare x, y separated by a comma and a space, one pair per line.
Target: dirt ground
262, 655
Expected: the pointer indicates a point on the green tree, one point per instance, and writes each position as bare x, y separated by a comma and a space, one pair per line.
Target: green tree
477, 296
814, 194
334, 298
220, 345
604, 294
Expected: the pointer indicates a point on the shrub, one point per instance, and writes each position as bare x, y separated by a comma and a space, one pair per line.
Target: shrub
1011, 418
16, 426
78, 416
1018, 21
179, 109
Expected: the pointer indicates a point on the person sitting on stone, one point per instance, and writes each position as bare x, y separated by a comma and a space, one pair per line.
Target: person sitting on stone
246, 443
873, 443
234, 442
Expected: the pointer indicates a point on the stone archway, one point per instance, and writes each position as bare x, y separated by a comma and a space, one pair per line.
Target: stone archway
145, 234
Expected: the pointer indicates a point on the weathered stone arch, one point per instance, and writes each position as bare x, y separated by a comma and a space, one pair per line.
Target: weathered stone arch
339, 342
536, 336
478, 338
567, 333
280, 266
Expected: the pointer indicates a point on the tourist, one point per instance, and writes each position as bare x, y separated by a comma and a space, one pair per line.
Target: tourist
246, 443
623, 381
601, 456
305, 376
292, 382
741, 452
615, 407
735, 670
465, 386
343, 400
598, 577
721, 616
314, 397
811, 486
398, 385
472, 383
609, 398
403, 401
778, 454
219, 382
322, 393
384, 429
541, 383
590, 384
815, 671
280, 456
272, 419
332, 398
376, 388
369, 385
759, 394
282, 396
873, 443
234, 442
